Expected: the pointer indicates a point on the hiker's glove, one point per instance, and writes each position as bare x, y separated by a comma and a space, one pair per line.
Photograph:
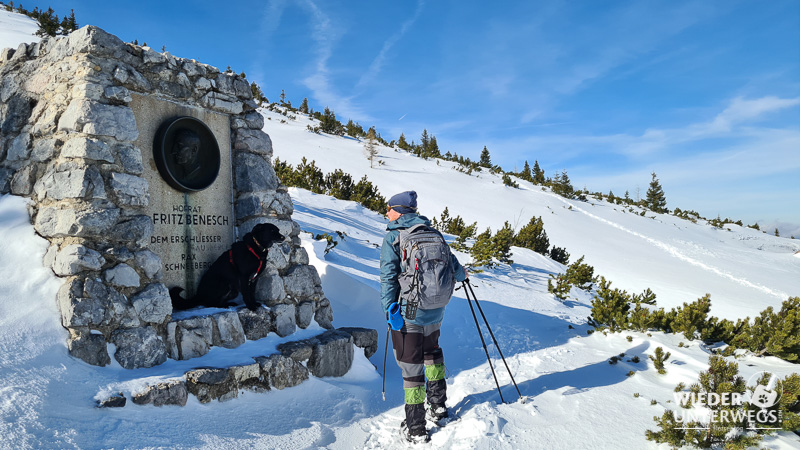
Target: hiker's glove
394, 317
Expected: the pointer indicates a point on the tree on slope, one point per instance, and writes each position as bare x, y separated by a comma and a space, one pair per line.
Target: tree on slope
526, 173
533, 236
486, 160
538, 174
655, 199
370, 149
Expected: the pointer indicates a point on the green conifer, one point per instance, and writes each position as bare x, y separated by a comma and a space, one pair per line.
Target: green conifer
483, 249
691, 317
486, 160
655, 199
659, 359
538, 174
502, 242
533, 236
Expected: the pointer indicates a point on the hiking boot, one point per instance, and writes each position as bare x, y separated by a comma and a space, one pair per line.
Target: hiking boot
438, 411
416, 435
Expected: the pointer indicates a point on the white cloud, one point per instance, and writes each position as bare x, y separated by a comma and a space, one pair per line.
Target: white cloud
326, 35
743, 110
377, 63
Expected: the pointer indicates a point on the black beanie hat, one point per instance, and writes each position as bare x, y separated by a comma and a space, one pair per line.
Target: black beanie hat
404, 202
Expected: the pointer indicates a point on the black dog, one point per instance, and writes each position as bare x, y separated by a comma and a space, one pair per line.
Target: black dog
233, 272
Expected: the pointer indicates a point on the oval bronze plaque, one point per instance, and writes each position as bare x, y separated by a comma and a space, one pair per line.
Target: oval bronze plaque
186, 154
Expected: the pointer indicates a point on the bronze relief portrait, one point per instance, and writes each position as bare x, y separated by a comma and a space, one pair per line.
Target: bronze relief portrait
186, 154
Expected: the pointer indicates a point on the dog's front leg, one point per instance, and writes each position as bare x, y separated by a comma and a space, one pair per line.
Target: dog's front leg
248, 294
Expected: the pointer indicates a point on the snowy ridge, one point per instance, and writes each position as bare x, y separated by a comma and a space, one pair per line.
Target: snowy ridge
672, 250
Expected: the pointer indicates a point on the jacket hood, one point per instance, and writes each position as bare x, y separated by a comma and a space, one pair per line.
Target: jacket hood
407, 221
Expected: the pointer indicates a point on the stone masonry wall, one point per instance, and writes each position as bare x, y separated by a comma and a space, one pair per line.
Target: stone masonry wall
66, 142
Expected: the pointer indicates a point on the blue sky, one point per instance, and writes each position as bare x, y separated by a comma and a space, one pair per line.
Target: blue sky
704, 93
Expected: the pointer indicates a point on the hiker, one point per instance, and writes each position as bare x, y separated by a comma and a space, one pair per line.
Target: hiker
418, 272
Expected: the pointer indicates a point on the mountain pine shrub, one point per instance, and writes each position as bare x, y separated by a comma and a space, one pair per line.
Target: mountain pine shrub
367, 195
559, 255
509, 182
482, 250
610, 307
533, 236
578, 274
501, 243
691, 318
339, 184
721, 378
659, 359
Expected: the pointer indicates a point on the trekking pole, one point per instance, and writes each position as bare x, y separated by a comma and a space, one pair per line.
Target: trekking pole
492, 335
480, 333
385, 351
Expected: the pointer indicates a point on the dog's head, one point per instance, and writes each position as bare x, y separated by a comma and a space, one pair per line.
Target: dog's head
265, 234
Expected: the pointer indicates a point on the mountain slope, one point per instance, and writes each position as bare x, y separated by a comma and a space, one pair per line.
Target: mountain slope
743, 269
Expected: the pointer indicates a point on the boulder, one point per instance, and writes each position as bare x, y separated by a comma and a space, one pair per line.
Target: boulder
194, 337
282, 371
153, 303
332, 355
301, 281
114, 401
269, 289
138, 347
167, 393
75, 258
52, 221
122, 275
365, 338
228, 330
256, 324
284, 319
253, 173
324, 316
210, 384
298, 350
88, 347
87, 148
98, 119
130, 190
305, 312
149, 263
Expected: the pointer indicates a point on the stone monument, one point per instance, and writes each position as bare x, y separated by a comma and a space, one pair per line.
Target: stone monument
142, 168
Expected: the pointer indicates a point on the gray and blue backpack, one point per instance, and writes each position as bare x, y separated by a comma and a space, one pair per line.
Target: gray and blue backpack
427, 276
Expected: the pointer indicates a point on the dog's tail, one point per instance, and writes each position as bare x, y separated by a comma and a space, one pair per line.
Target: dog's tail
178, 302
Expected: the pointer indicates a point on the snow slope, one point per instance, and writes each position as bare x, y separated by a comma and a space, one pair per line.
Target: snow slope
575, 399
16, 28
743, 269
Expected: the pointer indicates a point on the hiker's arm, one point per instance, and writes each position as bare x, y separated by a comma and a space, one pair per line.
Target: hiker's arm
460, 272
390, 270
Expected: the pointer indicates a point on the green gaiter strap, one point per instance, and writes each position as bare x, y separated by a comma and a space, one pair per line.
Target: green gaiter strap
434, 372
415, 395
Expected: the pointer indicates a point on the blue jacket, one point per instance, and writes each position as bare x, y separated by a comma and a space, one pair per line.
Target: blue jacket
390, 269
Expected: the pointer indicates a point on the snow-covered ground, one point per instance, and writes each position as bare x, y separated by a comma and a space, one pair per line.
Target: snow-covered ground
574, 397
16, 28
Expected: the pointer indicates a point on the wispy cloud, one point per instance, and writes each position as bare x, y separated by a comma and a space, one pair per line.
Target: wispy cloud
377, 63
326, 34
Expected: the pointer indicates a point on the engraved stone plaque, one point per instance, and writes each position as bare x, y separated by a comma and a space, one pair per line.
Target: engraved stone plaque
186, 154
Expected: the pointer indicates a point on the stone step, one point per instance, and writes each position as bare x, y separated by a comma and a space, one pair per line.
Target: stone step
193, 337
329, 354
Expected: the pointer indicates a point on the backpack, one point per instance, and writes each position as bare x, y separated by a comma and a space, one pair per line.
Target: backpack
427, 277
